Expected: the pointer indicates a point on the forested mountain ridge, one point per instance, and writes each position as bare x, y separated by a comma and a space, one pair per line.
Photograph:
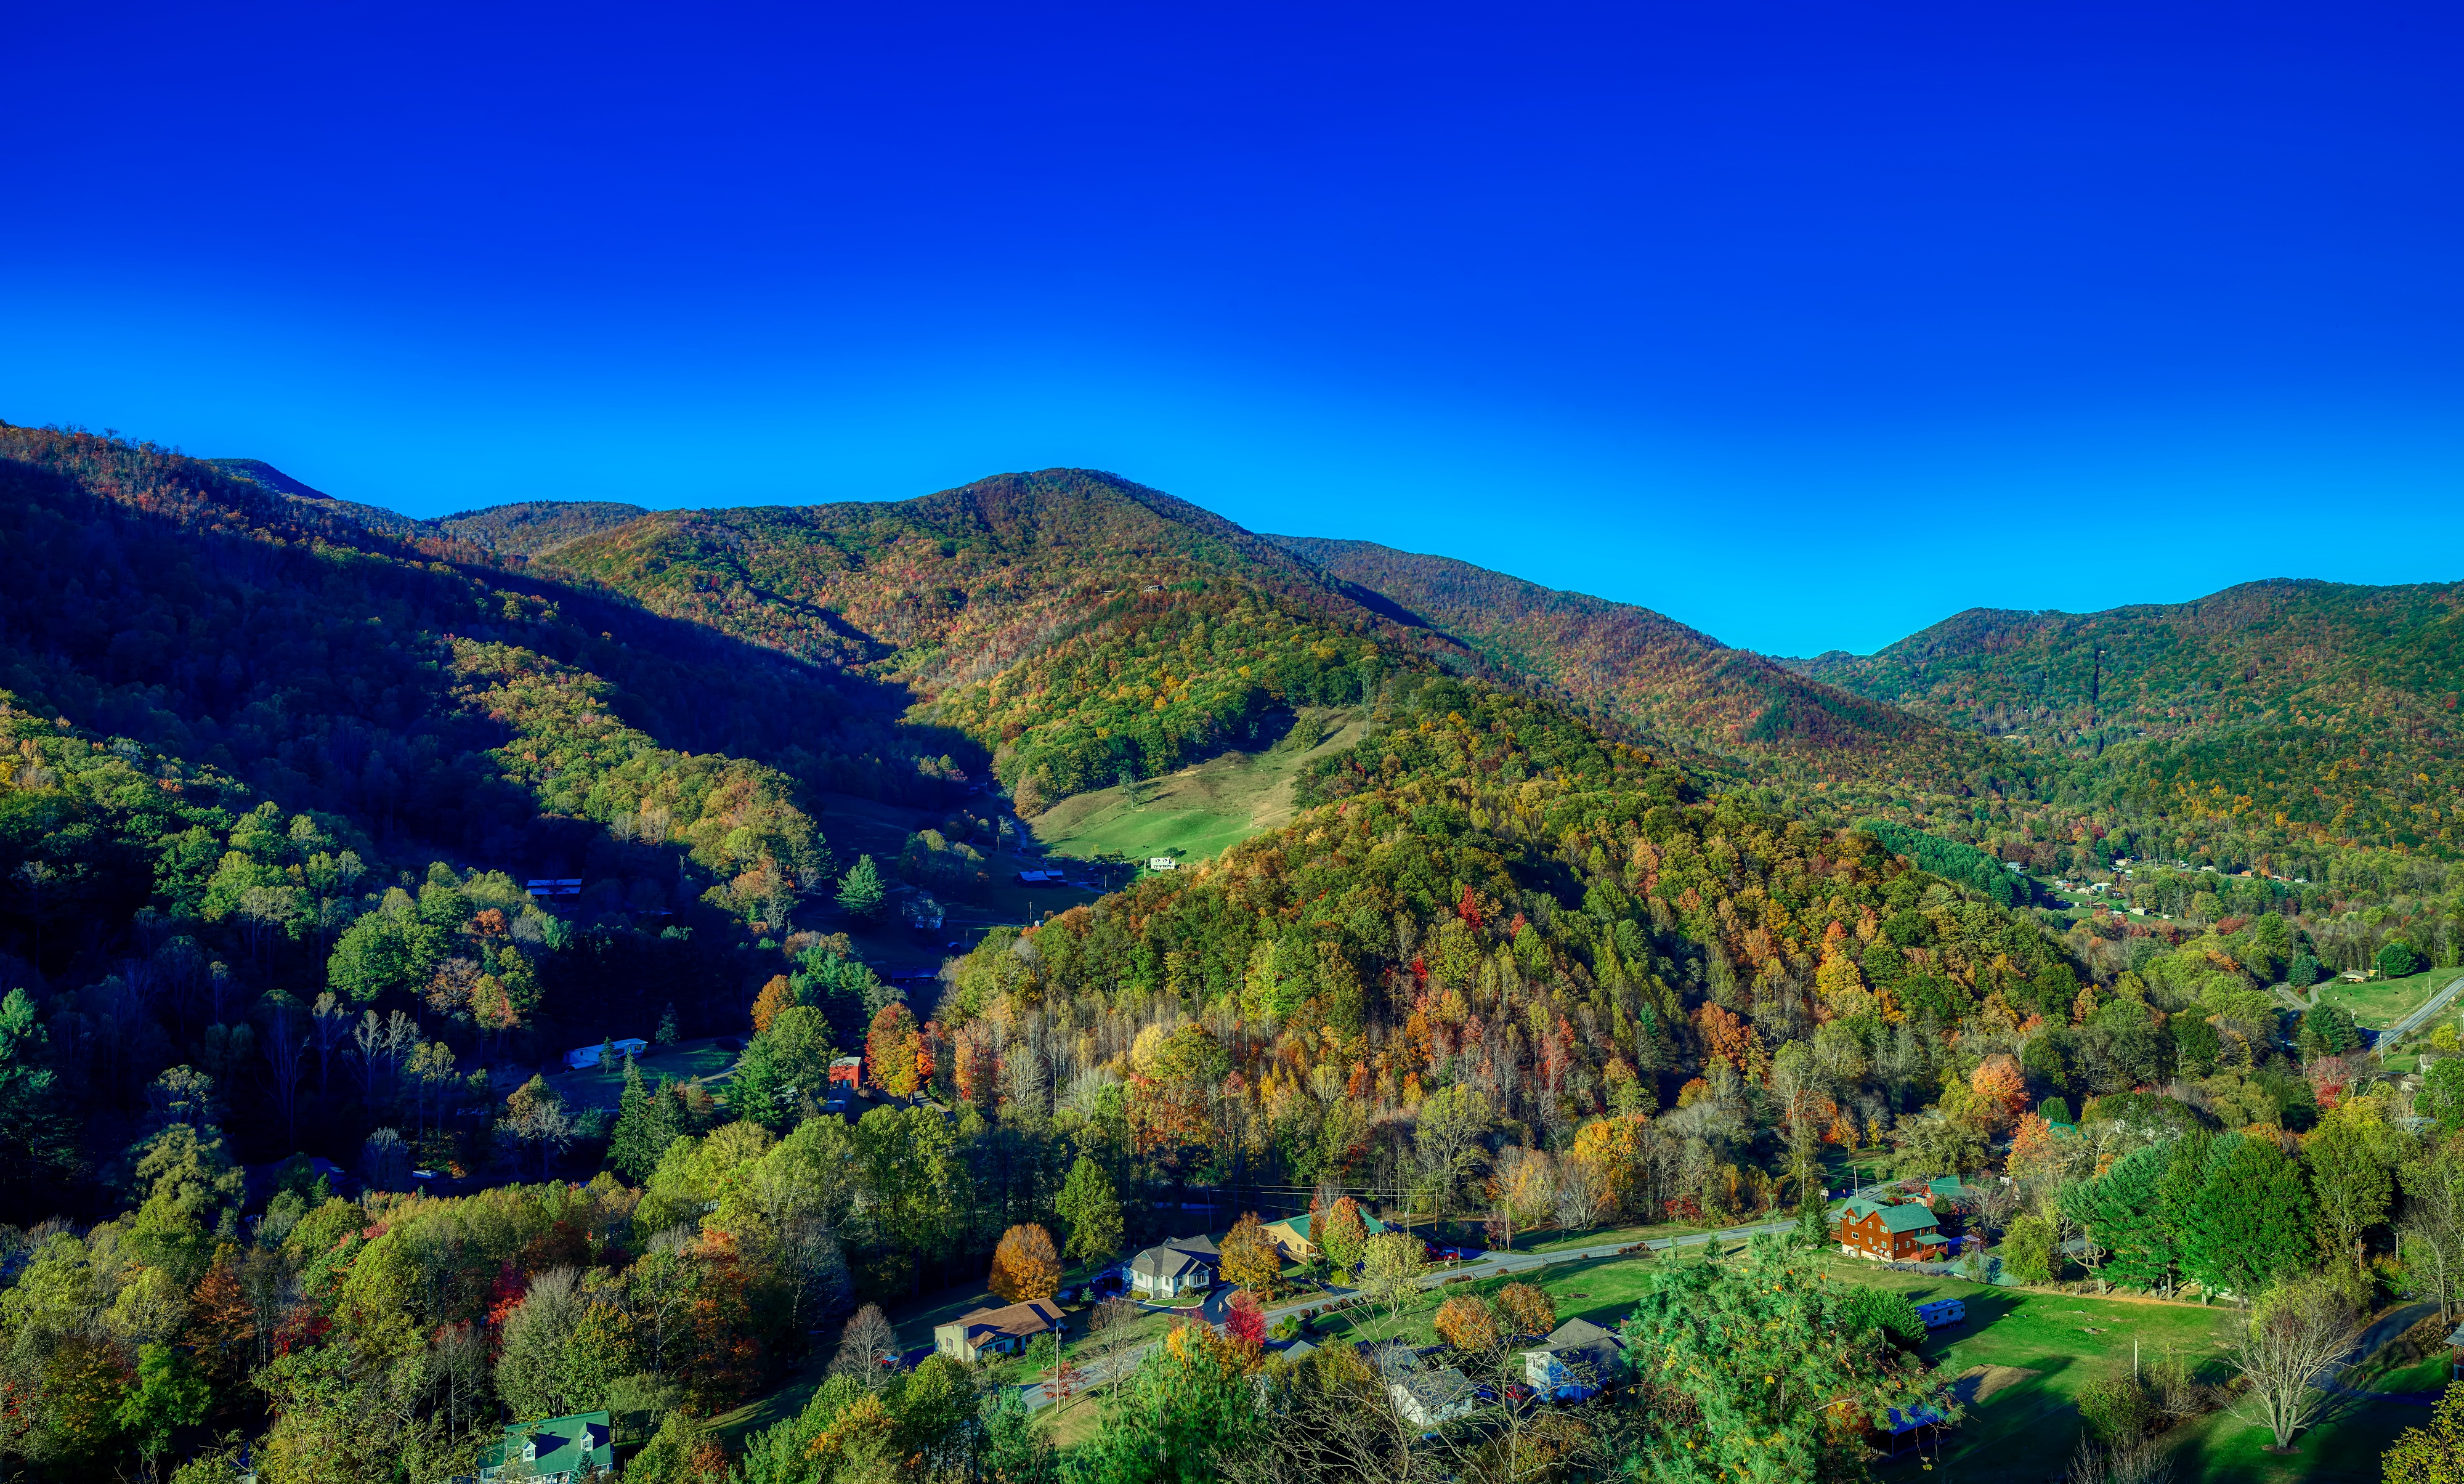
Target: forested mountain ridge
2316, 708
1647, 670
949, 587
273, 771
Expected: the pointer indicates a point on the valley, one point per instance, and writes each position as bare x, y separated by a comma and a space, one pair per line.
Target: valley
1500, 919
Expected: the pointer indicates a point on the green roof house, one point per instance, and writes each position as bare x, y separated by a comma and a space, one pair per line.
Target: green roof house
1898, 1232
553, 1452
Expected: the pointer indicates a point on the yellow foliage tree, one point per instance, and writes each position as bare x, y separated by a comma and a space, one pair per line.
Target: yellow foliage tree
1250, 1259
1026, 1265
1467, 1325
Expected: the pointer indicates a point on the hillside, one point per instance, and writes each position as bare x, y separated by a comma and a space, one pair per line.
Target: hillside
950, 587
2309, 707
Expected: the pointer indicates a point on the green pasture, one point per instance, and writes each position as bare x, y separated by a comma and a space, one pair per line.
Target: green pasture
2383, 1002
687, 1061
1199, 812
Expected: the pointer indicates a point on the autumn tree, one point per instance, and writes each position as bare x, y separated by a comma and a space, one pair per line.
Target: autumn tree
1468, 1324
1250, 1257
1342, 1234
1244, 1319
775, 996
2288, 1342
2434, 1454
1524, 1309
894, 1048
1025, 1265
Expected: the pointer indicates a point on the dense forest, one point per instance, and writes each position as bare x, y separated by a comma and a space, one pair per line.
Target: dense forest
1535, 951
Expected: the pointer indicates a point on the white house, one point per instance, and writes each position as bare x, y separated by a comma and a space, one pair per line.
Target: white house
1165, 1272
1432, 1398
1162, 863
581, 1057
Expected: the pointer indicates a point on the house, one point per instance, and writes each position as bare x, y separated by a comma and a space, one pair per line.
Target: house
581, 1057
2456, 1355
847, 1072
1942, 1190
1168, 1270
1574, 1363
1298, 1350
1893, 1233
1162, 863
1432, 1398
1292, 1237
1005, 1331
551, 1451
559, 886
1041, 878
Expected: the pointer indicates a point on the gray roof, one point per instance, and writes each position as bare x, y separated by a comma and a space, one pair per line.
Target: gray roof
1580, 1335
1441, 1388
1171, 1260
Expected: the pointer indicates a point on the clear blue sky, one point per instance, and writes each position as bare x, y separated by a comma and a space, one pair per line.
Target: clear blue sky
1807, 324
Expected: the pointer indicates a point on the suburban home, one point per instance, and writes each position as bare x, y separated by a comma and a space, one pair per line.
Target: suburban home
581, 1057
551, 1451
1292, 1237
1168, 1270
847, 1072
1576, 1360
1298, 1350
1907, 1233
1432, 1398
1162, 863
1005, 1331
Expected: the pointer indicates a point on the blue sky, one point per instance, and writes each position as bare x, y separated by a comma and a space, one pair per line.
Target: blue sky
1807, 324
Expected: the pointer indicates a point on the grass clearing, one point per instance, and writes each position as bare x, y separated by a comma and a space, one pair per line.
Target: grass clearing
1199, 812
701, 1060
2021, 1360
2377, 1003
2342, 1448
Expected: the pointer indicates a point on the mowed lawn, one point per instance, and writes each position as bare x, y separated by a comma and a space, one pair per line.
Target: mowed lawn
2383, 1002
701, 1060
2018, 1363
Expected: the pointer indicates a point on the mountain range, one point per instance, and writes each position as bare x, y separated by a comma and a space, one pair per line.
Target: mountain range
1069, 627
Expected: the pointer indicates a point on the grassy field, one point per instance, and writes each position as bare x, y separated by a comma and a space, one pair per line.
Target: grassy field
687, 1061
2020, 1361
2383, 1002
1199, 812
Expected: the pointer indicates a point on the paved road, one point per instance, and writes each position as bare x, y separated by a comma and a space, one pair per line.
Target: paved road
1488, 1265
2381, 1333
2414, 1021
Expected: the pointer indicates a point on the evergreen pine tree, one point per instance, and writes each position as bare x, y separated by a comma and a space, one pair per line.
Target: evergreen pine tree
1092, 1209
629, 1148
860, 892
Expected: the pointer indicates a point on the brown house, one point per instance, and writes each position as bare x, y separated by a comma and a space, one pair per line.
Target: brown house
1892, 1233
989, 1331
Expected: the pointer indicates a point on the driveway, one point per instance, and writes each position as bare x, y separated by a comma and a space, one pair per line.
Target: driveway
1487, 1265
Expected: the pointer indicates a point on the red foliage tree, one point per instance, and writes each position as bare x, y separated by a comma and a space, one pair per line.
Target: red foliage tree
1244, 1319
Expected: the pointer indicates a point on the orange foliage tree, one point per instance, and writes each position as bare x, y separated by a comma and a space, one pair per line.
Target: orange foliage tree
1997, 1081
776, 996
1026, 1265
1523, 1309
1467, 1325
893, 1050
